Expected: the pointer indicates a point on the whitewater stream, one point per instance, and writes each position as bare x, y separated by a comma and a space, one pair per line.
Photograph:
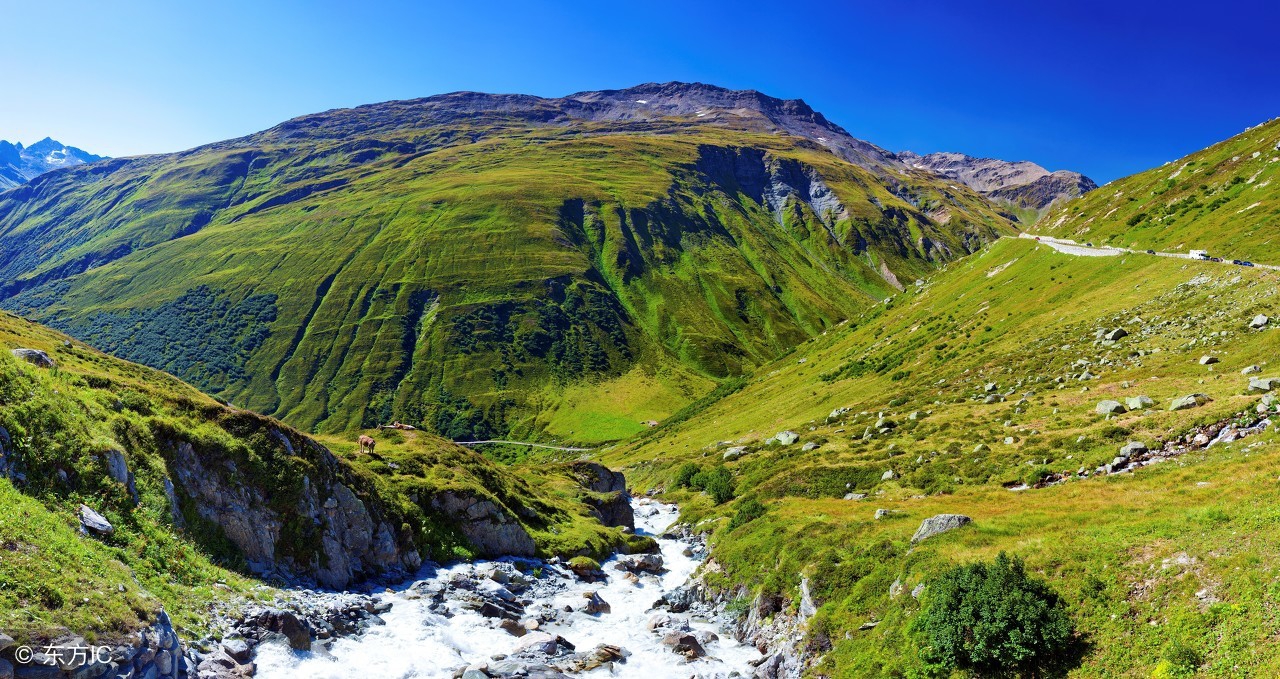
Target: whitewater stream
433, 637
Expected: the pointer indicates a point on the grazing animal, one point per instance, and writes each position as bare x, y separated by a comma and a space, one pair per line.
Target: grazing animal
366, 442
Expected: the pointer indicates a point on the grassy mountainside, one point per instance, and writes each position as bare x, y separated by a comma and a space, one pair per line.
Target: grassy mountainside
478, 264
1165, 570
63, 426
1222, 199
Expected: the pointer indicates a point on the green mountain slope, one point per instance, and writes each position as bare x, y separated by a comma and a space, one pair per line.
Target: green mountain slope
979, 393
481, 263
1225, 199
205, 499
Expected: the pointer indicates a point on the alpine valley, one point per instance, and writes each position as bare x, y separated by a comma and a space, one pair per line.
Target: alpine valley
742, 395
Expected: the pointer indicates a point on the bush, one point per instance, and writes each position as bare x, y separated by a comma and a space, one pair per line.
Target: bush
717, 482
749, 510
993, 619
684, 475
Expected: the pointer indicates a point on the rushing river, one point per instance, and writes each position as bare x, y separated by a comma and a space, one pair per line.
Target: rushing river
433, 641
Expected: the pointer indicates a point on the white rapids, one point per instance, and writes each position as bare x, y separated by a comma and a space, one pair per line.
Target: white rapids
416, 642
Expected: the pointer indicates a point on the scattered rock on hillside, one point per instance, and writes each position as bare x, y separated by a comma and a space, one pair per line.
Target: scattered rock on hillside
1208, 360
1251, 370
34, 357
734, 453
1133, 448
1109, 407
809, 446
1116, 334
1260, 321
1139, 402
1263, 383
936, 525
787, 438
1189, 401
91, 521
888, 476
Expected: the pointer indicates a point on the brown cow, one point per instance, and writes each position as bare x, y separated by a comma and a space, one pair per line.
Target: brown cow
366, 442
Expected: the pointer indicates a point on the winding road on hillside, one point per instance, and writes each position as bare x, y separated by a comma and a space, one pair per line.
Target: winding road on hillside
1071, 247
522, 443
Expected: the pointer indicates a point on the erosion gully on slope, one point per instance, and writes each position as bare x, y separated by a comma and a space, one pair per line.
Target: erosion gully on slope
435, 629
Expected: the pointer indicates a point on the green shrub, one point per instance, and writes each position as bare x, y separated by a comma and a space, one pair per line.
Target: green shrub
993, 619
684, 475
749, 510
717, 482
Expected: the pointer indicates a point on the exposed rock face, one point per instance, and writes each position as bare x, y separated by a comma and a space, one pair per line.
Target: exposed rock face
489, 528
614, 510
1022, 184
328, 534
154, 652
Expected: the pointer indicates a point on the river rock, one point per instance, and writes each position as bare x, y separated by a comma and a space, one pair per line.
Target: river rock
595, 604
684, 643
538, 642
1110, 408
936, 525
33, 356
91, 521
640, 563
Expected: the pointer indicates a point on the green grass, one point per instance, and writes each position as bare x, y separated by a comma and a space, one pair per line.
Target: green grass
452, 272
1019, 315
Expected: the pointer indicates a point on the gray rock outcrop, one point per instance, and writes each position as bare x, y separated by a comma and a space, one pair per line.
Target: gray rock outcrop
35, 357
937, 525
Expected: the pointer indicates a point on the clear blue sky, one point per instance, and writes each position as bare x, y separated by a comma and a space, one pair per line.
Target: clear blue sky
1107, 88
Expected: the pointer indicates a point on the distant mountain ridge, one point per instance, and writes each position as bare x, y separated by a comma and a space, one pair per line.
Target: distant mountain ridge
20, 164
486, 264
1020, 184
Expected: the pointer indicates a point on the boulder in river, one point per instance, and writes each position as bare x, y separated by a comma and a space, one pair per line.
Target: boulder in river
684, 644
595, 604
936, 525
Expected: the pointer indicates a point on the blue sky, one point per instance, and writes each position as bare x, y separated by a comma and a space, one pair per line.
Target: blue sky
1105, 88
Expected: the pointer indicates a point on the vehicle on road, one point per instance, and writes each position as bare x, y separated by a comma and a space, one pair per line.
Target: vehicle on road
1151, 252
1088, 245
1237, 262
1199, 254
1246, 263
1215, 259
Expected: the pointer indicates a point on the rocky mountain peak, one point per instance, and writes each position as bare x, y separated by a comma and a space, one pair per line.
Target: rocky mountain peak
19, 164
1022, 183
